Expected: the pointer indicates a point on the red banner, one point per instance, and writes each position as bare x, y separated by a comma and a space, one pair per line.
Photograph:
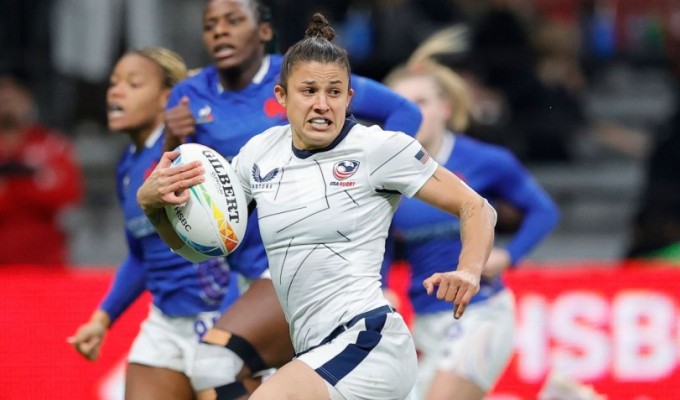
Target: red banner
614, 328
40, 308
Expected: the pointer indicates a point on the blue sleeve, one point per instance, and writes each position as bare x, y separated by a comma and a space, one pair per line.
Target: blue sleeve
376, 103
541, 214
175, 95
128, 284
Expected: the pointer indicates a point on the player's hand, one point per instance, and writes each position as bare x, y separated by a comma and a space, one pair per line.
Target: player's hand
179, 121
167, 184
454, 286
88, 339
499, 260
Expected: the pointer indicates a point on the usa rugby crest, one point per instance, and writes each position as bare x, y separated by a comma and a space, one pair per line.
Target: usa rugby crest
344, 169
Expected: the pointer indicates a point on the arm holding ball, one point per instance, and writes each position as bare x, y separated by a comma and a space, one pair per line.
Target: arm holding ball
167, 185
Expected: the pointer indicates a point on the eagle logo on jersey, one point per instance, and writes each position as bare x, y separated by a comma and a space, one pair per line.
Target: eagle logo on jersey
268, 177
344, 169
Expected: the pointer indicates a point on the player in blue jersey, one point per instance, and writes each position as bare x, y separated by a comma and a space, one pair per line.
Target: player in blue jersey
187, 297
461, 359
223, 106
324, 219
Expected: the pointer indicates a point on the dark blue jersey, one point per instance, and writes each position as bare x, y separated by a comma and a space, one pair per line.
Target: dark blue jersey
226, 120
430, 238
178, 287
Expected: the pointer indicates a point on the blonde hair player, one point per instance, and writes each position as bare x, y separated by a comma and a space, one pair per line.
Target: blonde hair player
461, 359
187, 297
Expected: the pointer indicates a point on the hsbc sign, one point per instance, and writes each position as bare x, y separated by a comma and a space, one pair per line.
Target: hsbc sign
616, 329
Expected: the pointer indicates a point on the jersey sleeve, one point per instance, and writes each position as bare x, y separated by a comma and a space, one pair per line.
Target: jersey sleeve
378, 104
175, 95
400, 164
541, 214
127, 286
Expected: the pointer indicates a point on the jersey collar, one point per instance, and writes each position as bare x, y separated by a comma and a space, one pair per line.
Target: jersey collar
349, 124
257, 79
151, 140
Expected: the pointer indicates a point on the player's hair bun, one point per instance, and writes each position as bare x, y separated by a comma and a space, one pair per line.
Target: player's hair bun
319, 27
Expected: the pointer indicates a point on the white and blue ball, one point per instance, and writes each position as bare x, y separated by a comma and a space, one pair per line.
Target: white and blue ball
213, 221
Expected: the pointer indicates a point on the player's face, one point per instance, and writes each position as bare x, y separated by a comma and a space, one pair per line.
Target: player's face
436, 110
316, 100
232, 35
136, 96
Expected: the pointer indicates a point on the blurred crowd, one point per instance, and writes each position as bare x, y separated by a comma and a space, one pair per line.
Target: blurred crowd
584, 92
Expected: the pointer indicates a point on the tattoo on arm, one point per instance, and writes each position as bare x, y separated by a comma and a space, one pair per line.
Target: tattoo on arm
155, 216
467, 211
435, 177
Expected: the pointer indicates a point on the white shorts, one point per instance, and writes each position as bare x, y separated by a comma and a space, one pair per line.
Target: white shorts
170, 342
373, 359
476, 347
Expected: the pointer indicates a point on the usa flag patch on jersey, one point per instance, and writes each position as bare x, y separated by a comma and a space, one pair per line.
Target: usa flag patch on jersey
422, 156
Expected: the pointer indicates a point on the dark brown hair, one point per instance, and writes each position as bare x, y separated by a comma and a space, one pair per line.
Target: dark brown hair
316, 46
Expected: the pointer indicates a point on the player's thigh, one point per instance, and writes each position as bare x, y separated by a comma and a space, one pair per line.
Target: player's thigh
258, 317
294, 381
481, 345
143, 382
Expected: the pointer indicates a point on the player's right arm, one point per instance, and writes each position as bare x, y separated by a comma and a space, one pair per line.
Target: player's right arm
447, 192
167, 185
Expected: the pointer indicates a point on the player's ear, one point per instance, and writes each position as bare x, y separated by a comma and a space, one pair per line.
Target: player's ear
280, 94
266, 32
350, 93
163, 98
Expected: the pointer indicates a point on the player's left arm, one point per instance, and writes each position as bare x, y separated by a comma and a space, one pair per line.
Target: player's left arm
377, 103
447, 192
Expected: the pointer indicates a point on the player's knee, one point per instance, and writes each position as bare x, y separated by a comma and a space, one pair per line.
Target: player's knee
214, 366
231, 391
239, 346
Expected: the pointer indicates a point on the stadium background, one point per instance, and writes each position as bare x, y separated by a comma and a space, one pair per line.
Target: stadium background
581, 309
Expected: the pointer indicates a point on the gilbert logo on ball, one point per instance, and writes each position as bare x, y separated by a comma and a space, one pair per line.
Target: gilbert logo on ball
213, 221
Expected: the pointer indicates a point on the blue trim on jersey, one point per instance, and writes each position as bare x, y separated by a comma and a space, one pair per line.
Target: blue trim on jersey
339, 366
430, 238
349, 124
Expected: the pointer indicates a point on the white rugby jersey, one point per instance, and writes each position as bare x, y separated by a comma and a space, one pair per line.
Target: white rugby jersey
324, 217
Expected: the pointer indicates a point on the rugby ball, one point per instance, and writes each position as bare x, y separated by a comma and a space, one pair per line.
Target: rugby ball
213, 221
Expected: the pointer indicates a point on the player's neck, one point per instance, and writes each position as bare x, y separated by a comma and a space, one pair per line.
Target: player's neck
241, 76
434, 146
